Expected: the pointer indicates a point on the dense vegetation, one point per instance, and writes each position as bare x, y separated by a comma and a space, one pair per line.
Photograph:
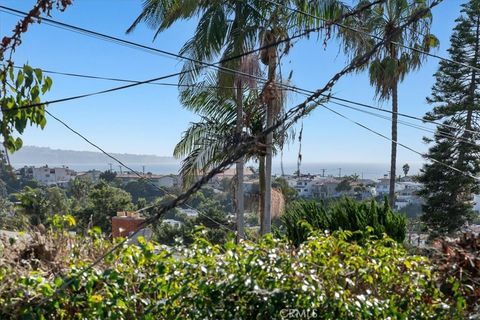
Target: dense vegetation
326, 275
304, 218
341, 260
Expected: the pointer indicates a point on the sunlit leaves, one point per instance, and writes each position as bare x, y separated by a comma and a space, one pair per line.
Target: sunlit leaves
341, 279
23, 88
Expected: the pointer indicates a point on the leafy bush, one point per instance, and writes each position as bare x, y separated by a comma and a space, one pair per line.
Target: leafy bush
327, 276
303, 217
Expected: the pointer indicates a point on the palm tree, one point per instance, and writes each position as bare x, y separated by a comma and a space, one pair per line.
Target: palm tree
392, 62
216, 34
226, 29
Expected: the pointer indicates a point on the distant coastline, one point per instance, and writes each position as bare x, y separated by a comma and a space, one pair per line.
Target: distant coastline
38, 156
88, 160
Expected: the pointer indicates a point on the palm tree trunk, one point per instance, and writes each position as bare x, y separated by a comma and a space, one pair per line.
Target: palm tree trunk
267, 210
261, 182
240, 165
393, 155
268, 177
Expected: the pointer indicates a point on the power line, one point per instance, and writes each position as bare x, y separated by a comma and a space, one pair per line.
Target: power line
400, 144
398, 113
373, 35
406, 123
34, 105
87, 76
151, 49
136, 45
143, 177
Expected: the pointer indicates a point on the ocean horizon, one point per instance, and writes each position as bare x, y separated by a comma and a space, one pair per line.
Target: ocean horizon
363, 170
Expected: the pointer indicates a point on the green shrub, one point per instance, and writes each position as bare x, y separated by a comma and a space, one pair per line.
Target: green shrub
303, 217
327, 276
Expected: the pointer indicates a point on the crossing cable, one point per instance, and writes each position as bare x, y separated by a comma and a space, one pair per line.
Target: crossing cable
298, 111
412, 125
242, 146
368, 34
332, 97
150, 49
400, 144
142, 177
237, 151
171, 54
40, 104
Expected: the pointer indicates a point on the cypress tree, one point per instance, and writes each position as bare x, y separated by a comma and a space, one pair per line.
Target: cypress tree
448, 193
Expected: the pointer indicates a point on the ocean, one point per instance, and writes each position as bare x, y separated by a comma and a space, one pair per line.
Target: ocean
365, 170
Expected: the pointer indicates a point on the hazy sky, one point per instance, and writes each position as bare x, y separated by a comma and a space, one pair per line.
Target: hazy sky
149, 119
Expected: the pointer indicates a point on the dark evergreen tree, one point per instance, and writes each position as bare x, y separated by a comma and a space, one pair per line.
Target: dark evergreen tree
448, 193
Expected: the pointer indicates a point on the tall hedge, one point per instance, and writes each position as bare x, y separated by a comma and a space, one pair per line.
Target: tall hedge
303, 217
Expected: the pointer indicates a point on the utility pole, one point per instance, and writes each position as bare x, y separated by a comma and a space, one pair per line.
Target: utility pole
339, 172
120, 169
143, 170
111, 166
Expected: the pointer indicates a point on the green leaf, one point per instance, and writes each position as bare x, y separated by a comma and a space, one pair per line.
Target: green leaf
34, 93
18, 143
39, 74
19, 80
46, 85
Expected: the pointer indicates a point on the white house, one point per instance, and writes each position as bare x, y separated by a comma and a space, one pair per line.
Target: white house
383, 186
407, 193
59, 176
159, 180
173, 223
191, 213
304, 186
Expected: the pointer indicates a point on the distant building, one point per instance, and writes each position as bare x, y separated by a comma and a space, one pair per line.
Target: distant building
191, 213
159, 180
94, 175
476, 203
304, 186
125, 223
325, 189
407, 194
172, 223
383, 186
57, 176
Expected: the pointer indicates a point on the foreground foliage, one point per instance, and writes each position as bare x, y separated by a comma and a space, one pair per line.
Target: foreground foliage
303, 218
327, 276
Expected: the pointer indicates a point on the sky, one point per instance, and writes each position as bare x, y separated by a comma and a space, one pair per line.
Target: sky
150, 120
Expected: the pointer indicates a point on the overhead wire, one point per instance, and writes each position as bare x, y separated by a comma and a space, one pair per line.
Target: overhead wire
400, 144
141, 176
239, 150
150, 49
409, 124
341, 25
214, 65
332, 97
